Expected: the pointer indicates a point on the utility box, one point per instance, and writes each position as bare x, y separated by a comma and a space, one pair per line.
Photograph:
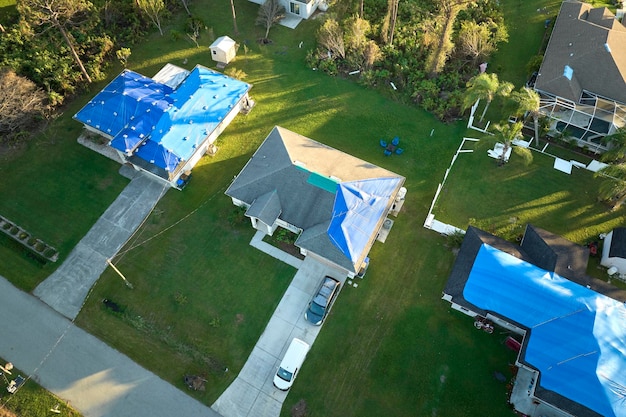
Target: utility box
223, 50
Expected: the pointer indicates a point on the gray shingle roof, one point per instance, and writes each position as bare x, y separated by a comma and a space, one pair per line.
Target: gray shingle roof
555, 253
283, 164
591, 42
266, 208
618, 243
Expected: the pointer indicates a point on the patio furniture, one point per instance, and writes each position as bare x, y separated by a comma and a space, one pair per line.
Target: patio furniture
15, 384
399, 151
395, 141
383, 143
387, 152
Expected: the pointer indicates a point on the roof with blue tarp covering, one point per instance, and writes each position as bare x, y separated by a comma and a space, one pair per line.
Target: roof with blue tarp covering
358, 208
129, 96
161, 125
577, 338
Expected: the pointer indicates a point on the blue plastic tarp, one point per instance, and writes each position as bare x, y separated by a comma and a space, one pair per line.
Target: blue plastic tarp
358, 208
577, 337
130, 96
158, 124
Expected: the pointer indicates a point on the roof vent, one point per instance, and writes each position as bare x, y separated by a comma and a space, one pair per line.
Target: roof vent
568, 72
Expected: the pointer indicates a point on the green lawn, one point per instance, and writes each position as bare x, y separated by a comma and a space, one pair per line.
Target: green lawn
503, 199
202, 295
31, 400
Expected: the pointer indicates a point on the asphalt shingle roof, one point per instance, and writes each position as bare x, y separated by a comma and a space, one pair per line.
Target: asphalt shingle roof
591, 42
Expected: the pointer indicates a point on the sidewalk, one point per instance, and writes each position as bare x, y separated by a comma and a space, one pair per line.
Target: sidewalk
66, 288
97, 380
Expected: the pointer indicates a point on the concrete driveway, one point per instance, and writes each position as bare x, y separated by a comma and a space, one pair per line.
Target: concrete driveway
253, 394
66, 288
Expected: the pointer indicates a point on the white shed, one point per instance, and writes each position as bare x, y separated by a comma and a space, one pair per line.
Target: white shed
223, 50
614, 251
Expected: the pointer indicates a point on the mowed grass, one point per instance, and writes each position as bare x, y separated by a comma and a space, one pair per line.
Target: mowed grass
31, 400
202, 295
503, 199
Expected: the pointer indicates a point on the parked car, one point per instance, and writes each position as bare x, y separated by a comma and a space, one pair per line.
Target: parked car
290, 365
322, 302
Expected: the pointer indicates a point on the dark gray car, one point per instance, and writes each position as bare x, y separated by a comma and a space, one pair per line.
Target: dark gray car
322, 302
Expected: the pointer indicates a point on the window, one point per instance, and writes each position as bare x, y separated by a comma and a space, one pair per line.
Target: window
294, 8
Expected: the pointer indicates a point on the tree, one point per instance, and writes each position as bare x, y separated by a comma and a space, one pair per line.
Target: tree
22, 104
59, 14
122, 55
506, 133
613, 189
232, 8
485, 86
617, 144
186, 6
270, 12
154, 9
528, 101
389, 22
479, 40
439, 34
330, 37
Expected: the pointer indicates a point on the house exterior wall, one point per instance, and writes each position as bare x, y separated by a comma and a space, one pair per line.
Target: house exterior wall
341, 271
612, 261
261, 226
297, 8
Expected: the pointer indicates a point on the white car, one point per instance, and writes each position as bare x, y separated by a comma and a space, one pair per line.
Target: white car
290, 365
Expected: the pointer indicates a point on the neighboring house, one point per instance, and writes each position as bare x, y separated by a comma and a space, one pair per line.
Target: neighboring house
614, 251
302, 9
163, 125
338, 204
573, 353
582, 79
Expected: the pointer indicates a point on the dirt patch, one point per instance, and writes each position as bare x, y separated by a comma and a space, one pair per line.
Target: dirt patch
300, 409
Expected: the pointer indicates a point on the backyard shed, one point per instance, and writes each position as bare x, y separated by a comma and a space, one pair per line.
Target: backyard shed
614, 251
223, 50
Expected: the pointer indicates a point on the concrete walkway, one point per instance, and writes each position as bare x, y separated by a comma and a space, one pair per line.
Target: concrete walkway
97, 380
253, 394
66, 289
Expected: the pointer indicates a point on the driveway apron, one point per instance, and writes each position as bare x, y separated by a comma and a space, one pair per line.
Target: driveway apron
253, 394
66, 288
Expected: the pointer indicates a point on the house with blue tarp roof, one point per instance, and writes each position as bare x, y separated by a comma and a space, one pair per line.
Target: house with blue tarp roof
336, 203
165, 124
573, 326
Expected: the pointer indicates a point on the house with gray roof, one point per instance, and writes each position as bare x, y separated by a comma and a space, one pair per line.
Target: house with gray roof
614, 253
582, 79
336, 203
571, 326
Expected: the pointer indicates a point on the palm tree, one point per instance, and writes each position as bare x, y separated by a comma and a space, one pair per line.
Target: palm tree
617, 144
506, 133
485, 86
528, 101
613, 190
